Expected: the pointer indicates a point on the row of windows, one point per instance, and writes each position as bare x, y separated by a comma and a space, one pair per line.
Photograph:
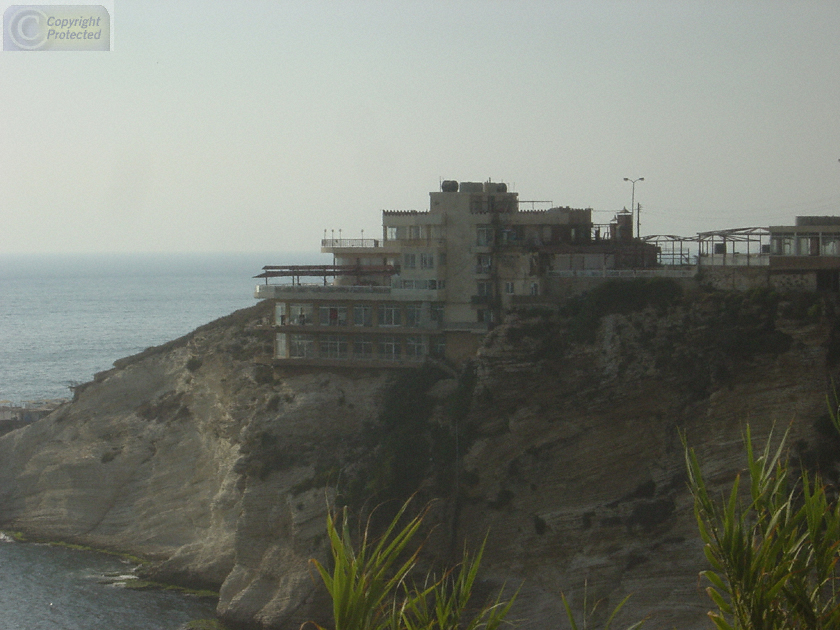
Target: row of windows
387, 347
805, 245
410, 315
432, 284
426, 260
485, 235
413, 232
484, 288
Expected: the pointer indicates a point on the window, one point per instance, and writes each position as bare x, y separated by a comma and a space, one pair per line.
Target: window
509, 288
427, 261
411, 284
831, 245
803, 245
439, 346
301, 346
389, 315
484, 235
390, 234
333, 346
483, 263
413, 232
389, 347
414, 347
412, 315
535, 288
280, 350
363, 347
332, 315
362, 316
511, 235
280, 313
410, 261
301, 314
484, 315
484, 289
787, 246
436, 312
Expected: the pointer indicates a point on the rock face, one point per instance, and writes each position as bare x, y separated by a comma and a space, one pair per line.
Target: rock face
562, 439
193, 455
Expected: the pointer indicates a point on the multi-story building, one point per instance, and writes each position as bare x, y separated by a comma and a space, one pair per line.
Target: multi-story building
809, 250
437, 280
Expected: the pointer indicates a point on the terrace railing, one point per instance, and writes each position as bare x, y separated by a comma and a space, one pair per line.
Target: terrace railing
350, 242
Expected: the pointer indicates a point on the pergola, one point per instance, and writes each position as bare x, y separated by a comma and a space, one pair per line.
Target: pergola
716, 241
673, 250
295, 272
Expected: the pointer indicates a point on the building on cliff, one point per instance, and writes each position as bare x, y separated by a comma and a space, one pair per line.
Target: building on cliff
804, 256
437, 280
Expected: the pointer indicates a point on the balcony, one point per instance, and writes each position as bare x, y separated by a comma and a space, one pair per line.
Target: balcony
312, 326
351, 362
660, 272
473, 327
350, 242
290, 291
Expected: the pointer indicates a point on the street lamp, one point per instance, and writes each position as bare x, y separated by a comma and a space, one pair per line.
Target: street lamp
633, 201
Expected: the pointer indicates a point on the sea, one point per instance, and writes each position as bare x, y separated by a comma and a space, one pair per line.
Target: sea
64, 318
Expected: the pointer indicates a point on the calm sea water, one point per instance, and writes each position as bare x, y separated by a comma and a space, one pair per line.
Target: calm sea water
62, 319
52, 588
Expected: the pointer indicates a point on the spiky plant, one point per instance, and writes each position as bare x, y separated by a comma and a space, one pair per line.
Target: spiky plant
372, 588
773, 551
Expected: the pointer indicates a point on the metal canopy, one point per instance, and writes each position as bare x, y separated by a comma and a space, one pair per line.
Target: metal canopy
735, 234
285, 271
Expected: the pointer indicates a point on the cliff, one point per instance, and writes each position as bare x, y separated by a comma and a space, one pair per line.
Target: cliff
561, 438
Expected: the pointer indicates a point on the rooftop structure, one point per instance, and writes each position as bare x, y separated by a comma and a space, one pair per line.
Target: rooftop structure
803, 256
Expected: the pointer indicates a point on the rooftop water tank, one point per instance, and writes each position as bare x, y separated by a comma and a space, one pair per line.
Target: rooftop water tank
471, 187
449, 185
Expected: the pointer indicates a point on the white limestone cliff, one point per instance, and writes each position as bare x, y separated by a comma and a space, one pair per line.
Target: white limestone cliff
221, 470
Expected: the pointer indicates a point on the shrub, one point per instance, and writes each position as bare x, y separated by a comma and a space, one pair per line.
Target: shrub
371, 584
773, 551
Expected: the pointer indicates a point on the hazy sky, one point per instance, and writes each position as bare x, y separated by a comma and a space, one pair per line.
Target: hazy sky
255, 126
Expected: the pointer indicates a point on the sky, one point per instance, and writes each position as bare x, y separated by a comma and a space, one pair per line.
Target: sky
256, 126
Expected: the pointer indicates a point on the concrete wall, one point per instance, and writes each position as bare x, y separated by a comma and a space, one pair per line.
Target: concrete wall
735, 278
794, 281
746, 278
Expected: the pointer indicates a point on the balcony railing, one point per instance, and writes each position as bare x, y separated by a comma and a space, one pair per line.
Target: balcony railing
263, 291
624, 273
350, 242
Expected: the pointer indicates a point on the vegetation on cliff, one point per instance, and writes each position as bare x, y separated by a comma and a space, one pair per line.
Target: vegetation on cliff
372, 584
773, 553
